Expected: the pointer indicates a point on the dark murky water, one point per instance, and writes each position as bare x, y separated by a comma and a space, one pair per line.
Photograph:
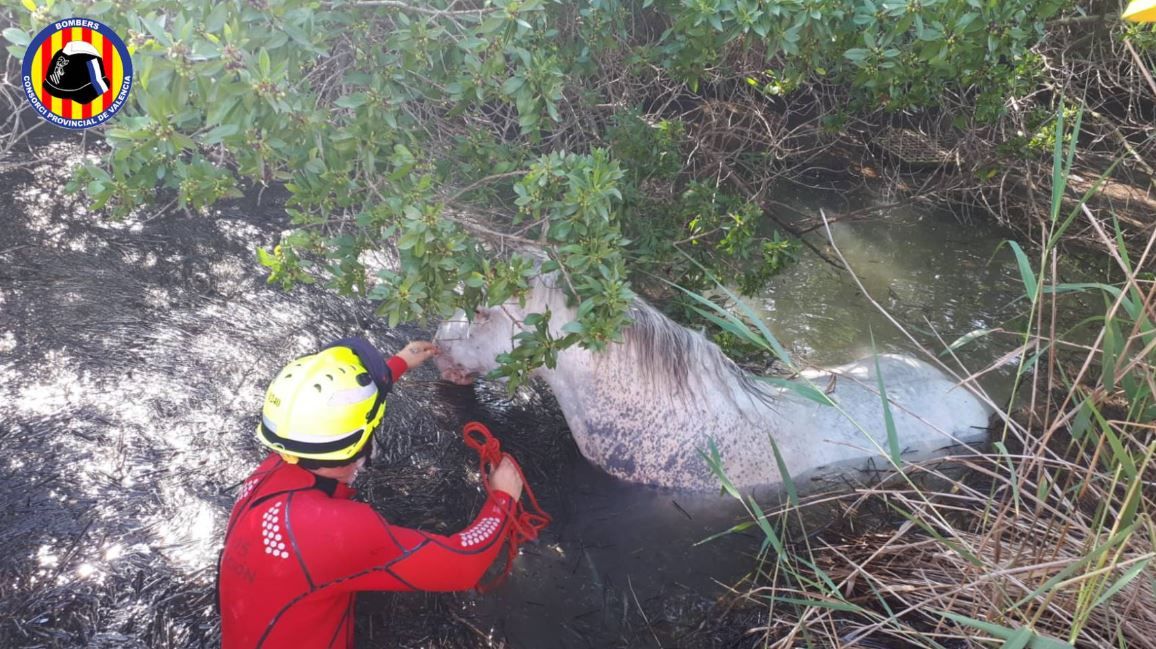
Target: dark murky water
941, 277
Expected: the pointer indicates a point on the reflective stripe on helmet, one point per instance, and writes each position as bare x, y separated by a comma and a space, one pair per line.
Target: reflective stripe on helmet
350, 397
305, 449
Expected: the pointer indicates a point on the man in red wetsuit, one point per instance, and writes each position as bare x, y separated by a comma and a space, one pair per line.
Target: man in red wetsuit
297, 547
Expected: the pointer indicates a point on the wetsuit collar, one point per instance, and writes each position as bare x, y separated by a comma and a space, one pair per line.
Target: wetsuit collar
333, 488
291, 477
328, 485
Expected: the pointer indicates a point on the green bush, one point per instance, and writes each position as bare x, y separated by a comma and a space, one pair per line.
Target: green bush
448, 131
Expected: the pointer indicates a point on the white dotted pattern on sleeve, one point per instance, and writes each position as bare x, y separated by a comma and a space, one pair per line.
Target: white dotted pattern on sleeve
247, 489
481, 532
271, 532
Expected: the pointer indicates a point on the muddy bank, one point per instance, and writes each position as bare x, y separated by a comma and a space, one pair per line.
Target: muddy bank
133, 357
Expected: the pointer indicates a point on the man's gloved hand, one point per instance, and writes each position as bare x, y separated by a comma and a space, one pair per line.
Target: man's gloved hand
418, 352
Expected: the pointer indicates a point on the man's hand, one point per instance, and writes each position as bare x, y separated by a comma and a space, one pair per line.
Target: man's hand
418, 352
507, 478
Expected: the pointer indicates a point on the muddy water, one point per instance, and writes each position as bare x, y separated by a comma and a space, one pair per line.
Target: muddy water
132, 361
941, 275
133, 357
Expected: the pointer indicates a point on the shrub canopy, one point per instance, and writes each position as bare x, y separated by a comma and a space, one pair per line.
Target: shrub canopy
618, 139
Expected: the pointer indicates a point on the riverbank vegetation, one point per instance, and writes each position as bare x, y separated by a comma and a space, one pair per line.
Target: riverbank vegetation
1043, 540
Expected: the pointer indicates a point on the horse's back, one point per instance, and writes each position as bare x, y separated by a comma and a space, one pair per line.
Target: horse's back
927, 409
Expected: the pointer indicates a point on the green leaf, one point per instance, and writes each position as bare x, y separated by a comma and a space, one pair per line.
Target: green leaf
740, 527
352, 101
266, 258
769, 535
1005, 633
219, 133
1123, 581
835, 605
801, 388
1112, 345
156, 28
1027, 275
512, 85
17, 36
217, 18
1011, 467
767, 338
714, 461
315, 166
1077, 565
220, 110
491, 24
1018, 639
856, 54
736, 329
1123, 458
1083, 287
263, 62
785, 474
1082, 422
965, 339
888, 418
29, 5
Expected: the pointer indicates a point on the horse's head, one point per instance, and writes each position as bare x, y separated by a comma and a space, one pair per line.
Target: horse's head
469, 348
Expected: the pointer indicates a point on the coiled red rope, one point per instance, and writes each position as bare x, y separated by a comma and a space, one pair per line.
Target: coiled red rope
525, 515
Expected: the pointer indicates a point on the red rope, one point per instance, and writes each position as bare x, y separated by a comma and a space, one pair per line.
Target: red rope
525, 522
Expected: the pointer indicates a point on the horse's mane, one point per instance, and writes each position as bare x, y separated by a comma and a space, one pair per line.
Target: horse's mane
667, 355
670, 352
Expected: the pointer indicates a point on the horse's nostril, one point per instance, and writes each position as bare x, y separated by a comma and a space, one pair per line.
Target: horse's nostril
455, 373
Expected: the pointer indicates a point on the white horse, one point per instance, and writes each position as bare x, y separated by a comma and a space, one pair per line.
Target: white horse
644, 409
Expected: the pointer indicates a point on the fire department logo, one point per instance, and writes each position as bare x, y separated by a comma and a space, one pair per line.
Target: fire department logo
77, 73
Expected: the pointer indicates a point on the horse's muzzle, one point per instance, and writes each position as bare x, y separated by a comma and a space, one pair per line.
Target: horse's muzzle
453, 372
458, 375
454, 329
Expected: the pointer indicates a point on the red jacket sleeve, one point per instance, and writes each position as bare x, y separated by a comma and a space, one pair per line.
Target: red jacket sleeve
398, 558
397, 367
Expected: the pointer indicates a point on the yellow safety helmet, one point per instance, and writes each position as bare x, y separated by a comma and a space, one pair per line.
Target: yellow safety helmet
1141, 11
324, 406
